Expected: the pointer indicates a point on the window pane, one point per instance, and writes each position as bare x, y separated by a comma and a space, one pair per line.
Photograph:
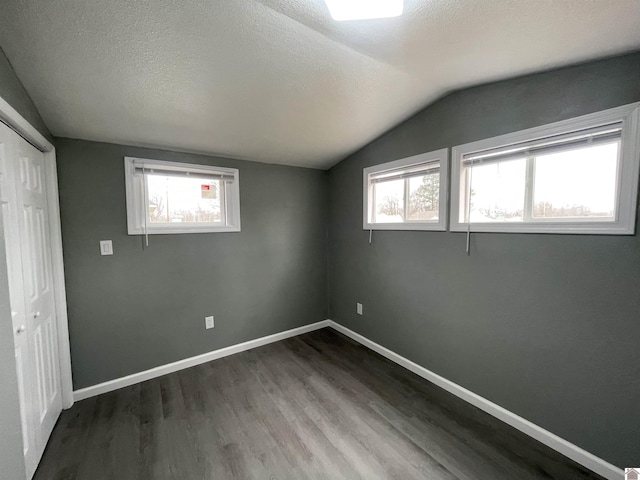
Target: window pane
576, 183
389, 201
498, 191
424, 197
183, 199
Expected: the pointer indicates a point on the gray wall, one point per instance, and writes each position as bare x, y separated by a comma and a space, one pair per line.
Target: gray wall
145, 307
546, 326
12, 91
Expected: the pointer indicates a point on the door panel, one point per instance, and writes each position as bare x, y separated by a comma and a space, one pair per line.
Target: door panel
26, 427
42, 252
52, 371
27, 257
37, 350
36, 268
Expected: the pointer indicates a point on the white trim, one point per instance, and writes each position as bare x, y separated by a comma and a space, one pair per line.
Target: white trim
18, 123
551, 440
629, 170
545, 437
59, 288
136, 203
158, 230
134, 378
442, 156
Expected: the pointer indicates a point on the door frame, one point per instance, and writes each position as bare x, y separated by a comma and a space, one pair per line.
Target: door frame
17, 122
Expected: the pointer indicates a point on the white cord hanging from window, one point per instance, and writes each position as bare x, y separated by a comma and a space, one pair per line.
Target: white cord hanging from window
145, 204
370, 235
469, 193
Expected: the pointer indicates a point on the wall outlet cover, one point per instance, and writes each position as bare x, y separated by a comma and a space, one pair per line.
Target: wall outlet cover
106, 247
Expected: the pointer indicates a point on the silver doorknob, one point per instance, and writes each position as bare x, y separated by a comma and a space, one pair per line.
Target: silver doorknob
21, 329
36, 315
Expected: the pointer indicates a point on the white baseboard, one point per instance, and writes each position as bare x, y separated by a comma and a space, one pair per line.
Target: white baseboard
562, 446
551, 440
132, 379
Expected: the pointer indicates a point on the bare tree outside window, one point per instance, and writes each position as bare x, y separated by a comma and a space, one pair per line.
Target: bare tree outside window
157, 208
424, 198
424, 201
391, 205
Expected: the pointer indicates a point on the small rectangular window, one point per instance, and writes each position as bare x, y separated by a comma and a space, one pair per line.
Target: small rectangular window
576, 176
407, 194
169, 197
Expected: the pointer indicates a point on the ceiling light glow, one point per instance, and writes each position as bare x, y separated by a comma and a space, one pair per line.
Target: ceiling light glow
364, 9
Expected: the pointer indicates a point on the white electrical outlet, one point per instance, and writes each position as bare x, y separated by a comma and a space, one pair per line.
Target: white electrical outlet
106, 247
359, 308
208, 322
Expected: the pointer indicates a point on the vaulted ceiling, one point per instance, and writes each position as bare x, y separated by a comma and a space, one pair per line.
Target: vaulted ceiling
279, 81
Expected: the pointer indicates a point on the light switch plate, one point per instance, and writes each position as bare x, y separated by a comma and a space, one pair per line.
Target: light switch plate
359, 308
208, 322
106, 247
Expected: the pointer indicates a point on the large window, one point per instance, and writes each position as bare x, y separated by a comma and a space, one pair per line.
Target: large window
576, 176
407, 194
167, 197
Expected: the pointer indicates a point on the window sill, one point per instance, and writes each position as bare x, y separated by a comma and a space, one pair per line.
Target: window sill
604, 228
434, 227
168, 231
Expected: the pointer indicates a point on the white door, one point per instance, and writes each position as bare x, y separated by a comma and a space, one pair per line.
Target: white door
24, 204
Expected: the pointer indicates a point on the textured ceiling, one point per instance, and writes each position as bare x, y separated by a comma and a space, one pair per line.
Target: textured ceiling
278, 80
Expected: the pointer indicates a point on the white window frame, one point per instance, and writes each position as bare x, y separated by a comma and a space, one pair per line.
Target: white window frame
627, 176
441, 156
137, 201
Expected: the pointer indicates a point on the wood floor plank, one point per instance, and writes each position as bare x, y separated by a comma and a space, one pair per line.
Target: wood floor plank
317, 406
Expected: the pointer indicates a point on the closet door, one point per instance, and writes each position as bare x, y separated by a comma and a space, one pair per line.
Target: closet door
24, 368
25, 222
37, 269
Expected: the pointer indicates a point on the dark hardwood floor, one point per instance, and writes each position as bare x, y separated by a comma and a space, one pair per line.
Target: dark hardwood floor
315, 406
